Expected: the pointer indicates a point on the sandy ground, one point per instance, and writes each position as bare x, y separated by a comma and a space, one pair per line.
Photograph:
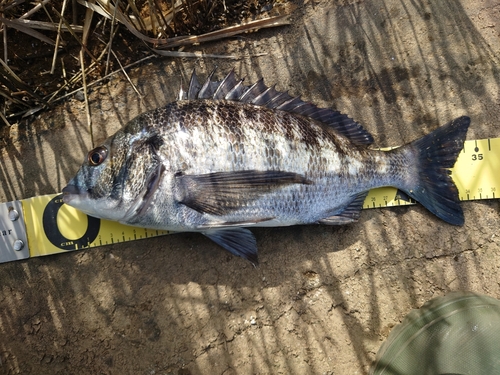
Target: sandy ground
324, 298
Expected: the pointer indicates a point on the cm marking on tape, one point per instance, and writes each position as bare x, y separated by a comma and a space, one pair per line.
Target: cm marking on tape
54, 235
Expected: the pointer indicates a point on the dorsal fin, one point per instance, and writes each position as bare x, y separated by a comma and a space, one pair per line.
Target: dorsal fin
232, 88
209, 88
226, 85
194, 86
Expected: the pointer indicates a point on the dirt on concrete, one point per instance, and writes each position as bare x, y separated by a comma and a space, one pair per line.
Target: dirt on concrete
324, 298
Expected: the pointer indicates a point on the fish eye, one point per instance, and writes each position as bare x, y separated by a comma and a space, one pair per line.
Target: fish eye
97, 155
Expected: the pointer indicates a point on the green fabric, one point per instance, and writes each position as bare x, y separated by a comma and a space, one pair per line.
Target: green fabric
455, 334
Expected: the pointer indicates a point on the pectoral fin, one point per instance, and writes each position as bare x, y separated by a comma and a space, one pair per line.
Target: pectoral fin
222, 192
238, 241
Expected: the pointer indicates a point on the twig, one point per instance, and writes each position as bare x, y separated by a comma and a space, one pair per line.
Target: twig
47, 12
165, 23
5, 54
105, 78
89, 13
152, 17
58, 38
35, 9
126, 75
47, 25
75, 11
95, 8
78, 75
187, 40
87, 107
4, 119
195, 54
8, 96
27, 30
64, 72
224, 33
136, 14
11, 5
112, 34
73, 34
19, 83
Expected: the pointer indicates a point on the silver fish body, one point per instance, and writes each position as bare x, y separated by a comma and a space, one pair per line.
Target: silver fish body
230, 156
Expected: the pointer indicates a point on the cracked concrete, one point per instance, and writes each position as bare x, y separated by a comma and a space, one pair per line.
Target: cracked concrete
323, 298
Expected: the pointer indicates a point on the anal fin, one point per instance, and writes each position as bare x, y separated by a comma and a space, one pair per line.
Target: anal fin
401, 195
350, 214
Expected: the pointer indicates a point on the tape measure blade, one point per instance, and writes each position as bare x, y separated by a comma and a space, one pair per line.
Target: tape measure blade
386, 197
54, 227
476, 170
38, 238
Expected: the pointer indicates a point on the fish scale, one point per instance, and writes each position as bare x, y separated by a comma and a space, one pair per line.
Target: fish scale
228, 156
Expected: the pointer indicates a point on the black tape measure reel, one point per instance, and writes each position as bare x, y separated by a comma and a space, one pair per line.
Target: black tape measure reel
57, 238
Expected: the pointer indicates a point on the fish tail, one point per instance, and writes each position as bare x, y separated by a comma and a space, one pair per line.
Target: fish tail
434, 155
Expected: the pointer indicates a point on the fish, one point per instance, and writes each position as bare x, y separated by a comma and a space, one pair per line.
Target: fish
225, 157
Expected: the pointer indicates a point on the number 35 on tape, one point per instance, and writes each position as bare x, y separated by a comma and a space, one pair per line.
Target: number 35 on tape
54, 227
477, 170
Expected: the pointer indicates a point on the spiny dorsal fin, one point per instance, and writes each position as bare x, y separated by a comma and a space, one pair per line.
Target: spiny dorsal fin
231, 88
226, 85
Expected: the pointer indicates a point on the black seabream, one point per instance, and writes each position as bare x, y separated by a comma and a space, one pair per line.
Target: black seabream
226, 157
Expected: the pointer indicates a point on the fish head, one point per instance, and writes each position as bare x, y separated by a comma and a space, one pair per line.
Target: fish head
117, 179
96, 188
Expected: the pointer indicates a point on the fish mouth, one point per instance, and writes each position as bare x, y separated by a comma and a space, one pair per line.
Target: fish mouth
72, 193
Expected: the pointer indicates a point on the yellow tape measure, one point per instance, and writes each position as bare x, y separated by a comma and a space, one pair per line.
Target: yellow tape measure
476, 174
55, 227
44, 225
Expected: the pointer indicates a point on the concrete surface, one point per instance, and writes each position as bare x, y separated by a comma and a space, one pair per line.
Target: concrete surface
324, 298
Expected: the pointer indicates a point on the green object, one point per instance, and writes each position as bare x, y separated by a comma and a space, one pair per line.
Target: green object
455, 334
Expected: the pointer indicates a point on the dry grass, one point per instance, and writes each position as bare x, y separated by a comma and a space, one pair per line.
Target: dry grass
54, 48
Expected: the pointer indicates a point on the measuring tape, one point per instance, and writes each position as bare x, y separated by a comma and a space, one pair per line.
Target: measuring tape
45, 225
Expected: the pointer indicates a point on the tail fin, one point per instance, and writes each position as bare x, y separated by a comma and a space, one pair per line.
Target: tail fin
436, 153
